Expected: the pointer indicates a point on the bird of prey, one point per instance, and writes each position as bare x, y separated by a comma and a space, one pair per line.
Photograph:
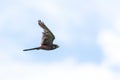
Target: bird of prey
47, 39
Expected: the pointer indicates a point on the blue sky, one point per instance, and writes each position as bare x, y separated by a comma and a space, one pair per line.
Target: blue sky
88, 33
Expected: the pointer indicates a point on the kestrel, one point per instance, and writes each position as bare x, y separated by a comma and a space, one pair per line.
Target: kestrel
47, 39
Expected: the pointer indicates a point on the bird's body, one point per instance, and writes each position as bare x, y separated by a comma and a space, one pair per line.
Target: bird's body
47, 39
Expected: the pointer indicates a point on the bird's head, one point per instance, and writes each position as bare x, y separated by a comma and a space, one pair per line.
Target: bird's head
54, 46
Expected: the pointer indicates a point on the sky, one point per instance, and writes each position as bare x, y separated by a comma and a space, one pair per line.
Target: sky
87, 31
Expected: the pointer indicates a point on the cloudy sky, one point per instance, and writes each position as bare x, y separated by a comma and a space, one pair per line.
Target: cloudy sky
88, 33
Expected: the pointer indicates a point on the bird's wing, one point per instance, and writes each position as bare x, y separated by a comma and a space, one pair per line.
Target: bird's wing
48, 36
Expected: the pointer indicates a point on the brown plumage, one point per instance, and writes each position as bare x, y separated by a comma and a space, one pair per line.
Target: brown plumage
47, 39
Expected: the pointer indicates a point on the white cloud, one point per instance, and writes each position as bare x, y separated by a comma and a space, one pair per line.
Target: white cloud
109, 40
9, 48
110, 43
109, 36
116, 24
55, 71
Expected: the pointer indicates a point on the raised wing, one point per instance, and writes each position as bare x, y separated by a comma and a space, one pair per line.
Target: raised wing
48, 36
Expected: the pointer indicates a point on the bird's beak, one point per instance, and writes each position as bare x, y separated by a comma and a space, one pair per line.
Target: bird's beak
57, 46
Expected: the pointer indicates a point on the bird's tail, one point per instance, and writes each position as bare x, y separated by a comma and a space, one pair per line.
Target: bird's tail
37, 48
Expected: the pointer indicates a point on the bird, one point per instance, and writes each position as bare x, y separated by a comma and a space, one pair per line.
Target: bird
47, 39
